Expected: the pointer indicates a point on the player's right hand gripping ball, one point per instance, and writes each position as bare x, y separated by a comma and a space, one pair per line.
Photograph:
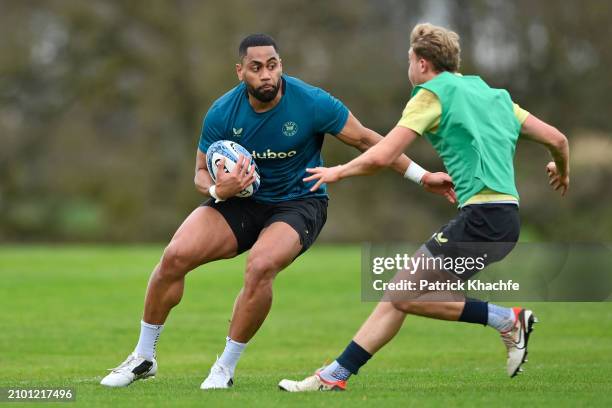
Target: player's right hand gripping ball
231, 151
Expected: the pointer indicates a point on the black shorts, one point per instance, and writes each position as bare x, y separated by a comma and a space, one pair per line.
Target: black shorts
485, 233
247, 217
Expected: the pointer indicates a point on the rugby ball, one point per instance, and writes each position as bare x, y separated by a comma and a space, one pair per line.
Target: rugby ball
231, 151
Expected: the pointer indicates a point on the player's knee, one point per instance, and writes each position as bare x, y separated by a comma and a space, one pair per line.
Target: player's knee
260, 273
260, 266
175, 262
410, 307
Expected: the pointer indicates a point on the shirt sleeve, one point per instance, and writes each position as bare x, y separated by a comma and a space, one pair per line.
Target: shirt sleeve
211, 132
330, 114
422, 112
520, 113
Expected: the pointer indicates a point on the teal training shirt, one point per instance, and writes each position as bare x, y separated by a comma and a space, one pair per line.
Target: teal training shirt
284, 141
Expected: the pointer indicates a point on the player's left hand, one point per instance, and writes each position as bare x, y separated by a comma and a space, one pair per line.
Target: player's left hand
325, 175
556, 180
440, 183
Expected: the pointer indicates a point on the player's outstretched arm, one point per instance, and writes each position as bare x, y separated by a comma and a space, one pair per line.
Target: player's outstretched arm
541, 132
356, 135
381, 155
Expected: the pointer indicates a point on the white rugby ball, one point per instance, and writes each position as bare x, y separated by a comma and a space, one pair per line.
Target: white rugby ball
231, 151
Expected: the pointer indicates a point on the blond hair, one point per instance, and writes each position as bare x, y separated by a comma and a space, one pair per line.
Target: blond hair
436, 45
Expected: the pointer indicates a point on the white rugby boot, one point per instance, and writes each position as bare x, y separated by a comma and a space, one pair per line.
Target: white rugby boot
220, 377
312, 383
516, 339
134, 368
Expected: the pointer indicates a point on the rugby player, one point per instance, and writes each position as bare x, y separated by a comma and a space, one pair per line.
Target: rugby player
474, 128
282, 120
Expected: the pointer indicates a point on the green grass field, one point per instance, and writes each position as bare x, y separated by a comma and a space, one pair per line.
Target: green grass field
68, 313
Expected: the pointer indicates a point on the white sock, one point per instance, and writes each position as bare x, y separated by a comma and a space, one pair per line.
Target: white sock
500, 318
149, 333
231, 354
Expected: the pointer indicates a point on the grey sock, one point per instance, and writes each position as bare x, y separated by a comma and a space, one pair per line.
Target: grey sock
500, 318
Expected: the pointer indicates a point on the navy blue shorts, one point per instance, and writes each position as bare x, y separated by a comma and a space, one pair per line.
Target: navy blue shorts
485, 233
247, 217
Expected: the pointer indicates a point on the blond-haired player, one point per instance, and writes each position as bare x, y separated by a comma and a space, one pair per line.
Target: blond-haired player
474, 128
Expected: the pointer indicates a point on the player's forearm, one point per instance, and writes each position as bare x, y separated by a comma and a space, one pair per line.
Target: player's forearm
372, 138
541, 132
357, 168
371, 161
203, 181
559, 150
401, 164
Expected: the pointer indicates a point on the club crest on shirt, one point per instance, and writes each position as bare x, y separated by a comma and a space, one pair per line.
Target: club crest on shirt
290, 128
237, 132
